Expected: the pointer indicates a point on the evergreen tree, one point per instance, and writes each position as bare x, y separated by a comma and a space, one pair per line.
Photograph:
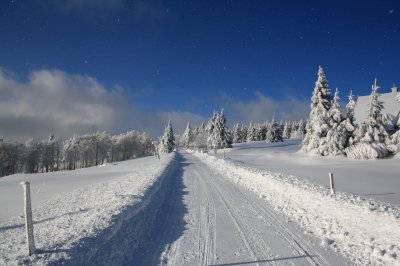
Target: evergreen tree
217, 131
251, 133
318, 125
168, 139
260, 132
274, 132
243, 134
188, 136
336, 136
286, 131
371, 137
200, 138
349, 123
236, 133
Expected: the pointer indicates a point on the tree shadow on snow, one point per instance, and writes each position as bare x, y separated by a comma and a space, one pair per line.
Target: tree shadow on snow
141, 239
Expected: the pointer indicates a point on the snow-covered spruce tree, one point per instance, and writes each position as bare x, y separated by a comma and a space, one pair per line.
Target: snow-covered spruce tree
286, 131
200, 138
236, 133
395, 138
217, 131
243, 133
318, 124
167, 143
274, 132
251, 133
371, 137
349, 123
188, 137
336, 136
300, 130
260, 132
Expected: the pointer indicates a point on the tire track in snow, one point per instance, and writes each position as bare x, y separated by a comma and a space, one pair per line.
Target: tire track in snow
228, 225
258, 249
206, 230
293, 238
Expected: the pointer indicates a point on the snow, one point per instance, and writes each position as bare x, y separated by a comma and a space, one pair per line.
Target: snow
376, 179
364, 230
391, 105
72, 207
263, 203
226, 224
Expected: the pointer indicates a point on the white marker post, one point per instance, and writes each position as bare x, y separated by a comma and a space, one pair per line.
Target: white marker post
332, 184
28, 217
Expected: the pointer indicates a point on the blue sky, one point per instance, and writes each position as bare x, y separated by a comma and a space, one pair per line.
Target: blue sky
135, 64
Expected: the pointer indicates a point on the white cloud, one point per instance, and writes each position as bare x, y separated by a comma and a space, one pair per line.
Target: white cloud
53, 101
263, 108
58, 102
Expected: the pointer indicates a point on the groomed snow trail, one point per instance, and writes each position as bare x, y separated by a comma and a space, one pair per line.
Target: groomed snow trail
229, 225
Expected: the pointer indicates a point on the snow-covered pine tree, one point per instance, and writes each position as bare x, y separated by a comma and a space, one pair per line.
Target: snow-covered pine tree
168, 139
200, 138
395, 138
336, 136
260, 132
286, 131
236, 133
371, 137
300, 130
294, 126
274, 132
188, 136
243, 133
349, 123
318, 124
217, 131
251, 133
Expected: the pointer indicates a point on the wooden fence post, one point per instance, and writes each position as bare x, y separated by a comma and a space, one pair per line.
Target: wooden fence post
28, 218
331, 183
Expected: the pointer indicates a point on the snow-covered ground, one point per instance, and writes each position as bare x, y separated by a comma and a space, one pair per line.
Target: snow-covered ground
263, 204
75, 211
365, 230
47, 185
377, 179
227, 224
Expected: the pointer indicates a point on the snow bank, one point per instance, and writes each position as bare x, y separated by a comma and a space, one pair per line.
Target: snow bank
366, 231
65, 222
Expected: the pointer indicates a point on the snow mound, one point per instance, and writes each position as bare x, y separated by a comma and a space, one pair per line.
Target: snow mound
365, 151
366, 231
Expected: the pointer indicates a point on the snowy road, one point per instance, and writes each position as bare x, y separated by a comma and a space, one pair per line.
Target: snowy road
228, 225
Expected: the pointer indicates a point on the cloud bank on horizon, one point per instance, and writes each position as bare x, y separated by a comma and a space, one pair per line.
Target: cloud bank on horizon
64, 104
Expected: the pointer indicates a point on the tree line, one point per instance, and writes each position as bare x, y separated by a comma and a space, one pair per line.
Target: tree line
77, 152
329, 132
